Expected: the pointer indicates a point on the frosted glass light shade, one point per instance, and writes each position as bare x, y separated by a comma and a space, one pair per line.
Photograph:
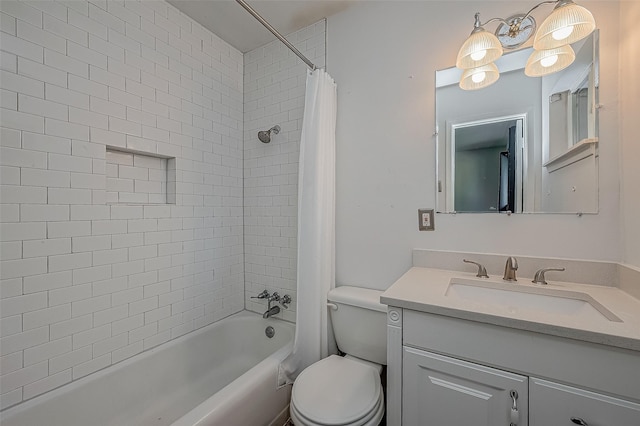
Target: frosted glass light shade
480, 77
479, 49
567, 24
544, 62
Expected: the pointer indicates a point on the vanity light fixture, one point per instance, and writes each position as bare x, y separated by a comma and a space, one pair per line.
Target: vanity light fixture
567, 24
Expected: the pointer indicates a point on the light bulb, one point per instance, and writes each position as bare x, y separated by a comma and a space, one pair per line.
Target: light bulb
476, 56
549, 61
479, 77
562, 33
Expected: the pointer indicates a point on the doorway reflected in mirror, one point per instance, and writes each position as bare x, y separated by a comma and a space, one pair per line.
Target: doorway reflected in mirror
487, 158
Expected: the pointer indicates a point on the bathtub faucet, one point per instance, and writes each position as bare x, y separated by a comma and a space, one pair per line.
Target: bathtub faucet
272, 310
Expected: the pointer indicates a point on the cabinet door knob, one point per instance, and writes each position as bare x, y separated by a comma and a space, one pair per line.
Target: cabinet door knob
579, 421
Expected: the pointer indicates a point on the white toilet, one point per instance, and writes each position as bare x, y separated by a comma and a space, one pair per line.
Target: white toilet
341, 391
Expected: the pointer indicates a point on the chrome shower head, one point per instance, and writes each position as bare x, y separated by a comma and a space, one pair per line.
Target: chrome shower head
265, 135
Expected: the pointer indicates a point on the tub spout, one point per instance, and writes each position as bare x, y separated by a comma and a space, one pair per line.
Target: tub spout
274, 310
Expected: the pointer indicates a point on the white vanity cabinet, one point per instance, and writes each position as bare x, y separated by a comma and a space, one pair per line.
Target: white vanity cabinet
447, 371
444, 391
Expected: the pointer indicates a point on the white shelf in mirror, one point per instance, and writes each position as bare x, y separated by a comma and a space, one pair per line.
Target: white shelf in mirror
583, 149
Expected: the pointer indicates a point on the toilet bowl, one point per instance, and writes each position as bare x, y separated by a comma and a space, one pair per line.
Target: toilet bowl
346, 391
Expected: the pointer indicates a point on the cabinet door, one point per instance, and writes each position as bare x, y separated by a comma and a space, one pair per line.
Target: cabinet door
442, 391
555, 404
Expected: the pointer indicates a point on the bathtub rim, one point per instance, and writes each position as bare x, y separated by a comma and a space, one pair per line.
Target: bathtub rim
16, 409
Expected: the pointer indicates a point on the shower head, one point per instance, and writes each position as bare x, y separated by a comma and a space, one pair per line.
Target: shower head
265, 135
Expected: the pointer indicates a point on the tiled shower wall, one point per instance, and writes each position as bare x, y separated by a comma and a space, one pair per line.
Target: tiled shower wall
274, 84
86, 283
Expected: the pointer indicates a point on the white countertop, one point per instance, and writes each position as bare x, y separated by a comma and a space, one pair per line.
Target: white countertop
425, 290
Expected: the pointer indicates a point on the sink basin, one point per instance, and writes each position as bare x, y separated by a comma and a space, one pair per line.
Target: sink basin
518, 298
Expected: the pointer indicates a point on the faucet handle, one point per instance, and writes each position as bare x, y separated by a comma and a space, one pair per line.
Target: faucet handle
482, 271
286, 299
264, 295
275, 296
539, 276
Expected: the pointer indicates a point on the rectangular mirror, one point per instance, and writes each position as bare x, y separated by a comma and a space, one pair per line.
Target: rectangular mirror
521, 145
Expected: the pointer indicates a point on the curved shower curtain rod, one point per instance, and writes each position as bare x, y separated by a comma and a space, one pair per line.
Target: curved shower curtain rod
275, 32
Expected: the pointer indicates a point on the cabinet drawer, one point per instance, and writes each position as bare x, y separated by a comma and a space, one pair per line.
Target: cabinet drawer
555, 404
444, 391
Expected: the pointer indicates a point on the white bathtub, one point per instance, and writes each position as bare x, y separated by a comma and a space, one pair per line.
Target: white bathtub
223, 374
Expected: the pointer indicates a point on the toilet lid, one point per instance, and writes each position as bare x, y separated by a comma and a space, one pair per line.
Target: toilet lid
336, 391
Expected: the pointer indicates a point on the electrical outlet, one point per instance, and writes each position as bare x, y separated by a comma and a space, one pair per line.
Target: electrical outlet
426, 220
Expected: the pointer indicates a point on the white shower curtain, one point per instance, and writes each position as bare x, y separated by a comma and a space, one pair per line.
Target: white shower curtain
316, 226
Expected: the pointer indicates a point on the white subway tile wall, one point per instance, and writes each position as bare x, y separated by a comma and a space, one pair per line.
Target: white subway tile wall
274, 89
86, 283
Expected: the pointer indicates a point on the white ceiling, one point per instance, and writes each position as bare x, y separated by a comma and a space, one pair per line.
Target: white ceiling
229, 21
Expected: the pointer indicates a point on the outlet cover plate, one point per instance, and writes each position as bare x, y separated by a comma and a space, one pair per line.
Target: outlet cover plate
426, 220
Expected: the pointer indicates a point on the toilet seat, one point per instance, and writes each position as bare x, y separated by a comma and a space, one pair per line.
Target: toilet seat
373, 419
337, 391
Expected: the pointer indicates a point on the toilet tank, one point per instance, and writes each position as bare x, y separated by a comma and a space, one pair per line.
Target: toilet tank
360, 322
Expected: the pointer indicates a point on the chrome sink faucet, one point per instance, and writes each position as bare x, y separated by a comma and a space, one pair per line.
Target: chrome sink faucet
510, 269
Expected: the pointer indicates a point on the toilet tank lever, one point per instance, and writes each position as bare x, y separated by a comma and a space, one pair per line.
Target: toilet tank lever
332, 306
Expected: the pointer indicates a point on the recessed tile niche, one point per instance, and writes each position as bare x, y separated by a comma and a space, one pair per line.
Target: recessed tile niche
140, 178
